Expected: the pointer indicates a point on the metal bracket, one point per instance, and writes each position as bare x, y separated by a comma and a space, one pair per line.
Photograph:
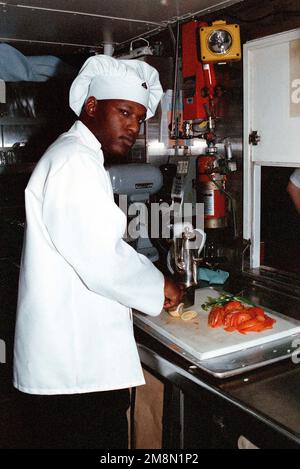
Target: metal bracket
254, 138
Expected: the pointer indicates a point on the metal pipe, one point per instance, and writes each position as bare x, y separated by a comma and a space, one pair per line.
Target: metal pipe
35, 41
79, 13
108, 49
172, 38
174, 121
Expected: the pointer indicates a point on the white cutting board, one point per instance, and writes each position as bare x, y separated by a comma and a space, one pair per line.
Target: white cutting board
204, 342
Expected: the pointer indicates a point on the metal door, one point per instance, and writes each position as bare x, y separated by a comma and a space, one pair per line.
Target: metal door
271, 119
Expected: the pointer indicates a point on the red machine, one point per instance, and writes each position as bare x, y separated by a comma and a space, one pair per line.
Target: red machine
199, 79
200, 95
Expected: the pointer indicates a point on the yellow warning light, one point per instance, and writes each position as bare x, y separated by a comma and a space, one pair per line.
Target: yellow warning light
220, 42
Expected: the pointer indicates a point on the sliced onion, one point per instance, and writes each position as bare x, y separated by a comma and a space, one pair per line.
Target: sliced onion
188, 315
175, 313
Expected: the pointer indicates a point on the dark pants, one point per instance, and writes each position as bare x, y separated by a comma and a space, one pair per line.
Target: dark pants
93, 420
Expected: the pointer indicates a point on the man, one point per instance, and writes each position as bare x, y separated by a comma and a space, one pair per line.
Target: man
79, 279
293, 189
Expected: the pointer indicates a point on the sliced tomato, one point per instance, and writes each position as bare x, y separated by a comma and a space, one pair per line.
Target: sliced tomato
234, 316
229, 320
215, 318
259, 326
233, 306
230, 329
269, 322
255, 328
249, 323
257, 312
243, 317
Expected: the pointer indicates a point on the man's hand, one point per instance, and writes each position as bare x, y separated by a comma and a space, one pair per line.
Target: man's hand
174, 293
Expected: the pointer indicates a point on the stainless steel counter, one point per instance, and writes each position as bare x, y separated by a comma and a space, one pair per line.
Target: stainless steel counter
267, 397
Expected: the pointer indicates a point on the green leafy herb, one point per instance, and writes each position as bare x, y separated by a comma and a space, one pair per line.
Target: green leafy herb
222, 300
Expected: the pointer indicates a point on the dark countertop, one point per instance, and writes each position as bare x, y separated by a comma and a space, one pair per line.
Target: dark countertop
274, 393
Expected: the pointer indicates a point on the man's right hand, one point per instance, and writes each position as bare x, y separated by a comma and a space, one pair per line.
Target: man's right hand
174, 293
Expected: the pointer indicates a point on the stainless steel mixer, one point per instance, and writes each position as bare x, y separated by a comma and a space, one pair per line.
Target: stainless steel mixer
138, 181
184, 254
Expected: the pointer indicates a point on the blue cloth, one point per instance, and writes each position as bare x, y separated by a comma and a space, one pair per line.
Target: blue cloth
14, 66
217, 277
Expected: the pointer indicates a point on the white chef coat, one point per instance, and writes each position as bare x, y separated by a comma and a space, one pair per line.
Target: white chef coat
79, 279
295, 177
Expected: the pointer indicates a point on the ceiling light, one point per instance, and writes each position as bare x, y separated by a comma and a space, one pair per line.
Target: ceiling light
138, 52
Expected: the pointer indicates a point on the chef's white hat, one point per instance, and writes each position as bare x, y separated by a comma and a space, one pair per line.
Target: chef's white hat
105, 77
